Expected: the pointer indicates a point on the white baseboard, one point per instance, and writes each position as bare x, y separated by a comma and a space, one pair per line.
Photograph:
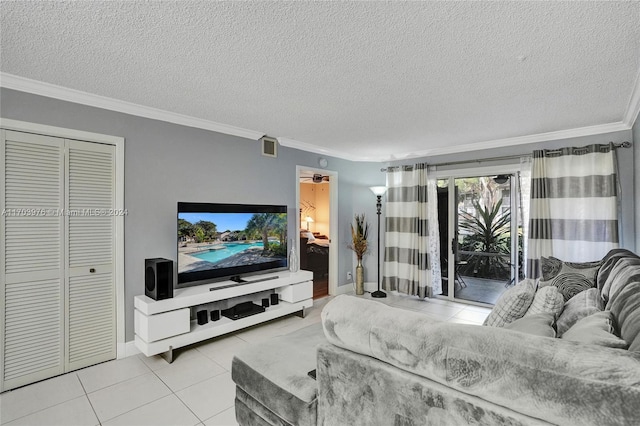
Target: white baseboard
370, 286
127, 349
345, 288
350, 288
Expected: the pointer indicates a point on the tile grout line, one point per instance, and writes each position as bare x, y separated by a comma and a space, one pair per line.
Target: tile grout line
188, 408
86, 395
178, 396
219, 412
118, 383
54, 405
133, 409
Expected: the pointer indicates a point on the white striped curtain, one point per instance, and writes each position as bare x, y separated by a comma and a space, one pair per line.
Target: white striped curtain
411, 264
524, 189
574, 205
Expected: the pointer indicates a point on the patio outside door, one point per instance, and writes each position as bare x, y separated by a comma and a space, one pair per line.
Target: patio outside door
482, 237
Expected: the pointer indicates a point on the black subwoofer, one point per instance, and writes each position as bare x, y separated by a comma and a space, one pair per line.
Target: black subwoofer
202, 317
275, 298
158, 278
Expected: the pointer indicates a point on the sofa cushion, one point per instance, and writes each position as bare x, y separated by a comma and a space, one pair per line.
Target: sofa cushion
619, 280
625, 308
570, 277
622, 271
596, 329
251, 412
274, 374
546, 300
542, 324
512, 304
356, 390
579, 306
608, 263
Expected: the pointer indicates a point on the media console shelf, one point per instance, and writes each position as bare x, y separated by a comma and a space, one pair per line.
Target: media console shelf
164, 325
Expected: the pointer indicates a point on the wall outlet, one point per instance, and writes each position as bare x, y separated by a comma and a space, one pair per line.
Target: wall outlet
349, 277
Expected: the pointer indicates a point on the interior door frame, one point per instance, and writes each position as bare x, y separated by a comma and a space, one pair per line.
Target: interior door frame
453, 174
333, 221
118, 142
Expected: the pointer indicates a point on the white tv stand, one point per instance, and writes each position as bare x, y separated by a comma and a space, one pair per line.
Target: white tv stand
163, 325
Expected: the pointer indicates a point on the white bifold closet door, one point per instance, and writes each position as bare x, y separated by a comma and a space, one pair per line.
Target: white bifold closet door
58, 291
91, 325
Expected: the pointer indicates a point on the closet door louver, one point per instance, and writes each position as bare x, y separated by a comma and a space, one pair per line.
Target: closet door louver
90, 254
32, 340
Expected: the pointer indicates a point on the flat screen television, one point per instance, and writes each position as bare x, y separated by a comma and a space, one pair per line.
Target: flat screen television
229, 241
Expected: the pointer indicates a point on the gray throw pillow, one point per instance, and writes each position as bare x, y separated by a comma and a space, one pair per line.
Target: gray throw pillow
538, 324
570, 277
546, 300
579, 306
512, 304
596, 329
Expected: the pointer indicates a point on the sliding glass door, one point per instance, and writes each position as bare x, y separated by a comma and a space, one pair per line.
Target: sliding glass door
480, 236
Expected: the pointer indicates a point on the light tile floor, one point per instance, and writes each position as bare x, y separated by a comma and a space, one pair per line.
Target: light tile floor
196, 389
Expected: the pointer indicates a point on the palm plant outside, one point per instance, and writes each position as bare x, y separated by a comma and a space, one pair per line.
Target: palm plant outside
487, 232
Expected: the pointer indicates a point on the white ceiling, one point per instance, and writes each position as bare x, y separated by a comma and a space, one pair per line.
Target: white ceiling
358, 80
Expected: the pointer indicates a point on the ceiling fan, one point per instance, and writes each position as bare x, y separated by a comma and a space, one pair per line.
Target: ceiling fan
315, 178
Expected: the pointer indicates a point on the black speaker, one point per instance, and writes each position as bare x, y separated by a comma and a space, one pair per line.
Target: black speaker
215, 315
203, 317
265, 303
274, 298
158, 278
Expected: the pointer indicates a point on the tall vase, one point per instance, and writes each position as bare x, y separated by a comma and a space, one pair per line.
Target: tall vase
293, 258
359, 278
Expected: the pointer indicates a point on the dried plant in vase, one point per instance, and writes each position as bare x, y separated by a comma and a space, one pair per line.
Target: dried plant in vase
359, 245
359, 235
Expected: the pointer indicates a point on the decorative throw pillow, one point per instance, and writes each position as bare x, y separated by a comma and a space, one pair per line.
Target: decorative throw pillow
538, 324
596, 329
579, 306
546, 300
512, 304
570, 277
308, 235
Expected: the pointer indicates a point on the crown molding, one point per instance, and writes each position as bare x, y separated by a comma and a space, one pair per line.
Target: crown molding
22, 84
519, 140
303, 146
633, 109
49, 90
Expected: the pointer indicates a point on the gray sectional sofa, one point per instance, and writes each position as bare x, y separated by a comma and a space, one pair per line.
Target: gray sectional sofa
379, 365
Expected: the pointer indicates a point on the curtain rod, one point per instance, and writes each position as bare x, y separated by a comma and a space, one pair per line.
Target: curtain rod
625, 144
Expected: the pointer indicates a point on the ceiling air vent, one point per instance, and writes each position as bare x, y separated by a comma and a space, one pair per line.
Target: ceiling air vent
269, 146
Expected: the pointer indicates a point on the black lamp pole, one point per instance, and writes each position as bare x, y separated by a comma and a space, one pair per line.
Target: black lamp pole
379, 293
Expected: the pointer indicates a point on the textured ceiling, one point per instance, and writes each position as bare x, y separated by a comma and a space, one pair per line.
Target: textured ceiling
360, 80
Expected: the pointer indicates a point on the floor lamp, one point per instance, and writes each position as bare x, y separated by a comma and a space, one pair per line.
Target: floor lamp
378, 191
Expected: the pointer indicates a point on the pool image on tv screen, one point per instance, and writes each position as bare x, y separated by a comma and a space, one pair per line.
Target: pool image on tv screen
216, 244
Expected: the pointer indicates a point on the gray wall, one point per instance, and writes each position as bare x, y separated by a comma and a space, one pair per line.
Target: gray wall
627, 174
166, 163
355, 197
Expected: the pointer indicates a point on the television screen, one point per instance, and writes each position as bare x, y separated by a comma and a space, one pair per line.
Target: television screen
227, 241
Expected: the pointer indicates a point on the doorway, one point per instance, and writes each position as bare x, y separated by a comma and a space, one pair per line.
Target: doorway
317, 217
480, 235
